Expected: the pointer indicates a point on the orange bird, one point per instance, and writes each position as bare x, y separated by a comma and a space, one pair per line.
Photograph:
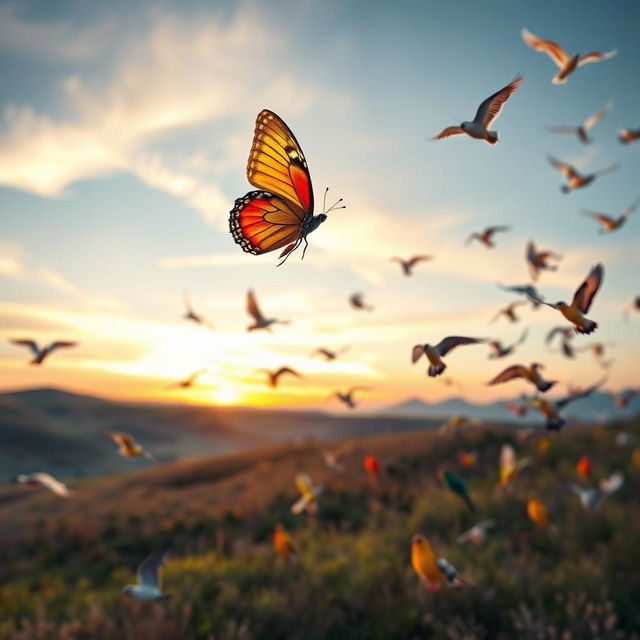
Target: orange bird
467, 458
433, 573
371, 465
283, 543
584, 467
537, 512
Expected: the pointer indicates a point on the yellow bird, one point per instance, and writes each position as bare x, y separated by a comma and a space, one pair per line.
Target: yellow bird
432, 572
537, 512
309, 493
128, 447
530, 373
283, 543
510, 466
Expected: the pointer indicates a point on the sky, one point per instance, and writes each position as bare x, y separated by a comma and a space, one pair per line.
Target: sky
124, 134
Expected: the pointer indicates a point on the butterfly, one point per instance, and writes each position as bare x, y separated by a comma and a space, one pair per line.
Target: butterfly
281, 213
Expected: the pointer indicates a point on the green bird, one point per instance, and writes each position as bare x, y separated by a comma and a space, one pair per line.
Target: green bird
459, 486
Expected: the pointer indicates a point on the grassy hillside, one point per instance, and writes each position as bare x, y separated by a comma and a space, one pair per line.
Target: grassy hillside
65, 561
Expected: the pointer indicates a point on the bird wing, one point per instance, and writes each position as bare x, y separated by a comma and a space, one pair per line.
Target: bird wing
123, 439
283, 370
149, 568
593, 120
522, 338
531, 252
413, 261
447, 132
612, 483
555, 331
59, 344
552, 49
588, 289
510, 373
416, 353
596, 56
187, 302
491, 230
252, 307
565, 169
452, 342
492, 107
630, 209
31, 344
52, 484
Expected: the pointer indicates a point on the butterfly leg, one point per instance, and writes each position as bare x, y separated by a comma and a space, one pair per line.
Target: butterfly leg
288, 251
306, 245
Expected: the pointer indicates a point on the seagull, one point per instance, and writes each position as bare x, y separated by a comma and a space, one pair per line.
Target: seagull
273, 376
592, 498
538, 260
576, 180
530, 373
260, 322
190, 313
485, 116
566, 64
634, 305
149, 586
500, 351
45, 480
436, 352
40, 353
328, 354
628, 135
357, 302
477, 535
609, 223
582, 299
527, 290
486, 237
188, 382
509, 312
347, 396
408, 265
129, 448
309, 493
586, 126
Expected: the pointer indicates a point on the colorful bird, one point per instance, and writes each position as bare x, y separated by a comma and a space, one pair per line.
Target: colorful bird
346, 397
328, 354
149, 585
433, 573
273, 377
575, 180
581, 303
486, 236
47, 481
477, 535
191, 315
458, 485
500, 351
259, 321
408, 265
467, 458
609, 223
486, 115
357, 302
530, 374
40, 353
628, 135
583, 130
309, 493
129, 448
509, 312
283, 543
435, 353
583, 467
510, 466
592, 498
281, 213
537, 512
371, 465
539, 260
567, 64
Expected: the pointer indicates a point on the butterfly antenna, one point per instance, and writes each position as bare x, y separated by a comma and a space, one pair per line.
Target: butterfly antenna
335, 206
324, 200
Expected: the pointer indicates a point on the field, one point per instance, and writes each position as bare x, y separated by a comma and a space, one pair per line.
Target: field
66, 561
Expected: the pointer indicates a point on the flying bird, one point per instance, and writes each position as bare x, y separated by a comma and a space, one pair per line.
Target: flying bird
500, 351
634, 305
332, 457
509, 312
567, 64
458, 485
485, 116
486, 236
537, 512
357, 302
527, 290
627, 136
346, 397
518, 410
609, 223
530, 374
47, 481
510, 466
539, 260
435, 353
309, 493
188, 382
581, 303
279, 215
328, 354
149, 585
191, 315
575, 180
433, 573
582, 130
128, 447
408, 265
592, 498
477, 535
259, 321
274, 376
40, 353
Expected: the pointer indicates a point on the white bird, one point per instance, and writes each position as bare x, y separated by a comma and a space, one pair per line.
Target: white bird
485, 116
583, 130
477, 535
45, 480
40, 353
593, 497
576, 180
309, 494
435, 353
190, 313
567, 64
149, 586
260, 322
332, 457
628, 135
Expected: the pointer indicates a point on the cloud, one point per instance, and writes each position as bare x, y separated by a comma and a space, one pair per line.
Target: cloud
57, 281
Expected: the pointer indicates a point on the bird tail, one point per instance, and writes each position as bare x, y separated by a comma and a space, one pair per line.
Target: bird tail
545, 386
468, 502
589, 327
492, 137
436, 371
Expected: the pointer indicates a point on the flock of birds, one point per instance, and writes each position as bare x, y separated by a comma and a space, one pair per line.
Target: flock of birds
284, 215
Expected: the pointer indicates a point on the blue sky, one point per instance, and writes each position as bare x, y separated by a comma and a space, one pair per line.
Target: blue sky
123, 144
